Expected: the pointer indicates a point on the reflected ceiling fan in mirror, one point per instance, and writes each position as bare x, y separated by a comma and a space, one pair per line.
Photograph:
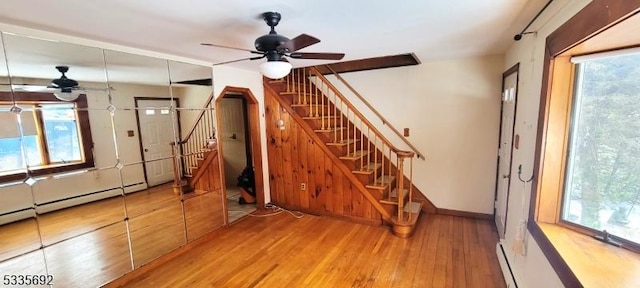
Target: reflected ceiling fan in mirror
64, 88
276, 47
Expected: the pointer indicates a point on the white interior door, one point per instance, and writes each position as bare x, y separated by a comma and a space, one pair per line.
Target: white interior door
509, 94
156, 134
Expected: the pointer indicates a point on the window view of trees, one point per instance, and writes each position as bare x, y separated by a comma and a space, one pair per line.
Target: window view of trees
602, 189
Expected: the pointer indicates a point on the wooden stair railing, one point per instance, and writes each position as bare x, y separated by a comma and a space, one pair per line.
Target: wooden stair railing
192, 150
376, 112
199, 138
375, 161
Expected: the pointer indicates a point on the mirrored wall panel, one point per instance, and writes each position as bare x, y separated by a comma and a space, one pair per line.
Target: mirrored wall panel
200, 161
107, 160
19, 229
5, 84
91, 259
31, 263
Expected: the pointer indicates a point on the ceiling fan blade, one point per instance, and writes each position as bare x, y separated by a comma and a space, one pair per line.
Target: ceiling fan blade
229, 47
238, 60
295, 44
32, 88
93, 88
322, 56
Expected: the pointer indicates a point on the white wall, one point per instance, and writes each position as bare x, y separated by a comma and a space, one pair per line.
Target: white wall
532, 270
452, 108
192, 100
229, 76
233, 123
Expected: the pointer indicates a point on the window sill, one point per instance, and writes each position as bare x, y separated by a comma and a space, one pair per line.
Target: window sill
594, 263
44, 171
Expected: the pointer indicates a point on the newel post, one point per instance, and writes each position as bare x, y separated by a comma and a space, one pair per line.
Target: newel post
176, 173
400, 191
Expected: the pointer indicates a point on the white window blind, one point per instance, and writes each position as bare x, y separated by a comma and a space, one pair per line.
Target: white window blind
605, 54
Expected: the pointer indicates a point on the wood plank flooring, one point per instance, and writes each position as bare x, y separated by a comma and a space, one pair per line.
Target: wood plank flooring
282, 251
89, 245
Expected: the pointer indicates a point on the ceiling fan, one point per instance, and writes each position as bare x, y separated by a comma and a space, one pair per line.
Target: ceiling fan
63, 88
276, 47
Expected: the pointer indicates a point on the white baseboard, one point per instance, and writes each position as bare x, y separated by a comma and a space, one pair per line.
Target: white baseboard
49, 207
507, 272
17, 216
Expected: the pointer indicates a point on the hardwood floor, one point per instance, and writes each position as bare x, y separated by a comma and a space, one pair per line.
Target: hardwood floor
282, 251
91, 244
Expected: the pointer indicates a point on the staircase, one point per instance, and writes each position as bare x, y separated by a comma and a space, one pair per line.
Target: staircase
196, 168
383, 172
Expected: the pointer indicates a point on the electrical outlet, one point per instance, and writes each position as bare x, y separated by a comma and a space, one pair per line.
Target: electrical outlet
303, 186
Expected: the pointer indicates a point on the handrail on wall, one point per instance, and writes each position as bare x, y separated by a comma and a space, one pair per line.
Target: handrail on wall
373, 109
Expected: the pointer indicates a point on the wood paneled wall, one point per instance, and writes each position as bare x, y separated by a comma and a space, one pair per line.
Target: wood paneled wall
295, 158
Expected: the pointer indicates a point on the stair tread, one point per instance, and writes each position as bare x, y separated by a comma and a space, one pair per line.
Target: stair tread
414, 216
378, 183
307, 93
329, 129
343, 142
355, 156
414, 208
393, 197
308, 105
368, 169
320, 117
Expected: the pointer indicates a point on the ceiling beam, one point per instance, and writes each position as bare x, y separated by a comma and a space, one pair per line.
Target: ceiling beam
383, 62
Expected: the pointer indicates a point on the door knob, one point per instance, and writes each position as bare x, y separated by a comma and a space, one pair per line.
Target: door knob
503, 176
146, 150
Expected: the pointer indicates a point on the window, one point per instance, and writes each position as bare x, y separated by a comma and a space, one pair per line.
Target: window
602, 185
46, 136
587, 130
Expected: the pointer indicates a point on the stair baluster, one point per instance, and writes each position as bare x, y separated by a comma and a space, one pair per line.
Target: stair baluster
196, 142
342, 126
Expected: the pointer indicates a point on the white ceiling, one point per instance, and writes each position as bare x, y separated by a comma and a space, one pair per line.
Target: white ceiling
431, 29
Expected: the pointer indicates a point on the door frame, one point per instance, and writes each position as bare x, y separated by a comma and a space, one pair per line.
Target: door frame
253, 117
177, 113
514, 69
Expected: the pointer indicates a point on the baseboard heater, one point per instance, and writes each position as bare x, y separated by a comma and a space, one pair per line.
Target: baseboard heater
80, 199
509, 278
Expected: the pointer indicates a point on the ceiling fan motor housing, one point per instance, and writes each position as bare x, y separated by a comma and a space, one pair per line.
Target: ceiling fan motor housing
63, 82
270, 42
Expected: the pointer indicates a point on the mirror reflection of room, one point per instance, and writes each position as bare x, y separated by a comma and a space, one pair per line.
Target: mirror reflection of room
99, 150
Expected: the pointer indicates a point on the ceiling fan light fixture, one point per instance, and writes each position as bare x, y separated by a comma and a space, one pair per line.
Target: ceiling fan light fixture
67, 96
275, 69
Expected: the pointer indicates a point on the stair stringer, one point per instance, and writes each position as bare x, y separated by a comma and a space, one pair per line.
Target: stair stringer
386, 217
207, 174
